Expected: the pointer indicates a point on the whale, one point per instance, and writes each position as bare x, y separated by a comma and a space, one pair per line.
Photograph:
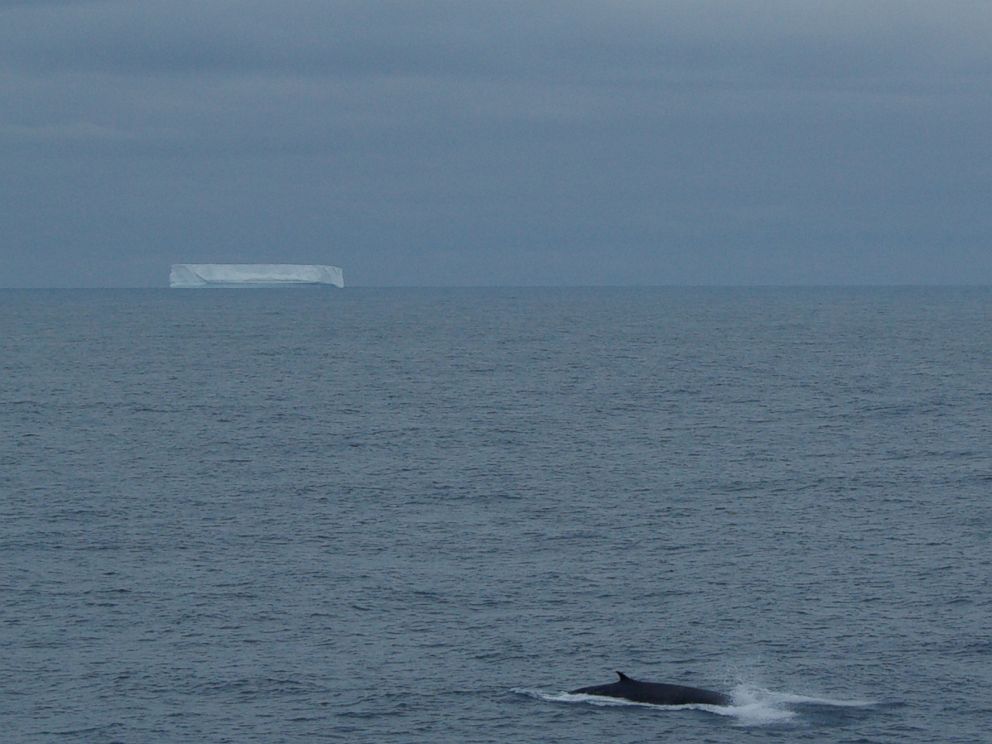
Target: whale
655, 693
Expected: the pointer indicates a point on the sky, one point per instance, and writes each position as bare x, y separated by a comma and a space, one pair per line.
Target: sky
498, 142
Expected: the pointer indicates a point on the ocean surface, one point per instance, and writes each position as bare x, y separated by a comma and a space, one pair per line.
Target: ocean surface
393, 515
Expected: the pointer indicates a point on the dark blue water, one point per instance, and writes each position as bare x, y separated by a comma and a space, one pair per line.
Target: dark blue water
423, 515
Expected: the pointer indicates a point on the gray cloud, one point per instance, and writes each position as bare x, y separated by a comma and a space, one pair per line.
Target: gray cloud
511, 142
572, 39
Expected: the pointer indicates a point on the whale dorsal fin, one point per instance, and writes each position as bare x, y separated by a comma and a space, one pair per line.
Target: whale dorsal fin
623, 677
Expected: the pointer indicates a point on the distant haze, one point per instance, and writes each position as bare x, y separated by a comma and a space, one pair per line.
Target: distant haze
506, 143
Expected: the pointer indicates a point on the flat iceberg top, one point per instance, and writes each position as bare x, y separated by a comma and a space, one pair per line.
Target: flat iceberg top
253, 275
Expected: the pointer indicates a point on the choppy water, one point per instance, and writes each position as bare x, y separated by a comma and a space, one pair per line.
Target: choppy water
424, 515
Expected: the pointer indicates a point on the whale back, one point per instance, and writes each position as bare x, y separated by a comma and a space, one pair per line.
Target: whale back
656, 693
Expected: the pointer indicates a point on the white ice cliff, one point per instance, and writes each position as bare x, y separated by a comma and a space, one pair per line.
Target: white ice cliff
253, 275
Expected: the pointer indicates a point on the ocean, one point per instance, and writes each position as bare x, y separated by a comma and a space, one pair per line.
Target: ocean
403, 515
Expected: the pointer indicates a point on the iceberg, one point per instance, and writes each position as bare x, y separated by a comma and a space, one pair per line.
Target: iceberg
253, 275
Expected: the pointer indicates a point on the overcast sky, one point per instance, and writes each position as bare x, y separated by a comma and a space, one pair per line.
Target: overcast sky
499, 141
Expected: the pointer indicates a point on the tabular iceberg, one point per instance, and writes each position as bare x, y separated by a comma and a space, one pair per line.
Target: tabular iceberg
252, 275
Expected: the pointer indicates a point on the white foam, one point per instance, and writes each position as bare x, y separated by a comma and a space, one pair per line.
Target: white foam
745, 694
609, 702
758, 705
598, 700
751, 706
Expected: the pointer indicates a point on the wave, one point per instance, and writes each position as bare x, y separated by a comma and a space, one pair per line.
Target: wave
752, 706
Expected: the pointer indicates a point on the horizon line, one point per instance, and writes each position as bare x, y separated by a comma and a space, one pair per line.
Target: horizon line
803, 285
